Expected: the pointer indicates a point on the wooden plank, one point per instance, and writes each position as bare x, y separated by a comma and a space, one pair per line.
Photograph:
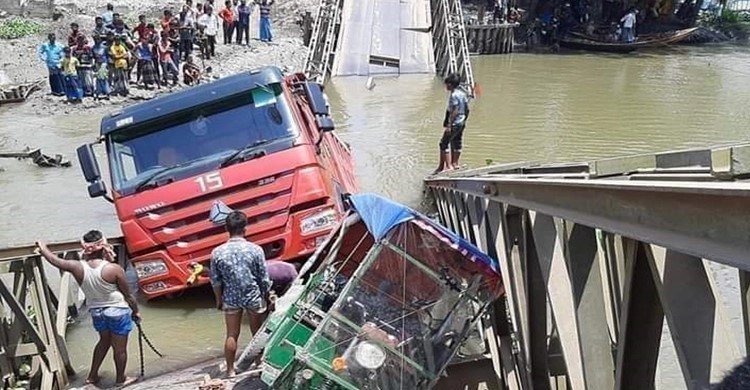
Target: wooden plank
61, 321
56, 363
22, 318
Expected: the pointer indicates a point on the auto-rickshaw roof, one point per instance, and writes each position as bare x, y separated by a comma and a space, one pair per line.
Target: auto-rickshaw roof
381, 215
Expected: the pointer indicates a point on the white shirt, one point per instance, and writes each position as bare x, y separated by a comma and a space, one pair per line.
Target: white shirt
211, 22
628, 20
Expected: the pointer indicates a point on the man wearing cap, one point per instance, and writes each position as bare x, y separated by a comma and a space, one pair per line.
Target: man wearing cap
240, 282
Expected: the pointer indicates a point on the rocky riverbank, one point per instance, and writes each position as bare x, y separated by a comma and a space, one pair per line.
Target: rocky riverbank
20, 63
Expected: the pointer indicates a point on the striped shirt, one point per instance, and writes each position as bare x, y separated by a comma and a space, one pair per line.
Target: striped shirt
265, 10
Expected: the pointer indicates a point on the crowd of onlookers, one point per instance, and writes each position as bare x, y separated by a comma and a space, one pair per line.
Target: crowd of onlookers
113, 55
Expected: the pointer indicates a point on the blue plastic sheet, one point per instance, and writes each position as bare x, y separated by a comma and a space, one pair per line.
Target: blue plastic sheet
380, 215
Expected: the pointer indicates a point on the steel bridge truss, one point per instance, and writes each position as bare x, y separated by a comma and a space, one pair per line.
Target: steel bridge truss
450, 44
599, 258
449, 41
323, 41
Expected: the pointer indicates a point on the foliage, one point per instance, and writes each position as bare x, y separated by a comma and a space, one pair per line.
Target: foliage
17, 27
733, 23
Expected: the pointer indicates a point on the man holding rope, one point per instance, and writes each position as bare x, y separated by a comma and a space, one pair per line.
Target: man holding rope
111, 304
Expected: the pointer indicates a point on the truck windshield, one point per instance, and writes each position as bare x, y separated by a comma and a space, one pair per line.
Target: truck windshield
198, 139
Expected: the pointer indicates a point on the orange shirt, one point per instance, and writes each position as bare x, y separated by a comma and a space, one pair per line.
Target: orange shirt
227, 14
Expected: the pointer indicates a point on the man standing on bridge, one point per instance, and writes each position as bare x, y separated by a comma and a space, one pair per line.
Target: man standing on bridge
241, 284
454, 123
111, 304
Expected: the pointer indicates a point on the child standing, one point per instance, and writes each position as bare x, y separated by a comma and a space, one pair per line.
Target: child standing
168, 68
70, 76
102, 81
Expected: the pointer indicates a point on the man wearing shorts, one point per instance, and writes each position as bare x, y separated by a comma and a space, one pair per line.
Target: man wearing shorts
453, 125
240, 282
111, 304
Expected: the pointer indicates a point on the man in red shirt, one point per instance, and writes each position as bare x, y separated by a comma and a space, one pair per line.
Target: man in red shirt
227, 15
166, 21
141, 30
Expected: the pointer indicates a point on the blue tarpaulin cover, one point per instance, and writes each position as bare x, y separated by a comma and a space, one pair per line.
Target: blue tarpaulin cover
380, 215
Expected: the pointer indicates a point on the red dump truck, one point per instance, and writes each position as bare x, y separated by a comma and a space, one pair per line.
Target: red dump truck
257, 141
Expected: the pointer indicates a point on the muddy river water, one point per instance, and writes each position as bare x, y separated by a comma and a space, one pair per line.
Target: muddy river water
533, 108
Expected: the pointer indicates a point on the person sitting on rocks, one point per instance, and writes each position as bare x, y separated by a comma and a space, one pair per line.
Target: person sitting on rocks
191, 73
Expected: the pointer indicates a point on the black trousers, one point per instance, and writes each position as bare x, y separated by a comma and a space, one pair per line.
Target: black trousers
228, 31
453, 140
211, 46
243, 31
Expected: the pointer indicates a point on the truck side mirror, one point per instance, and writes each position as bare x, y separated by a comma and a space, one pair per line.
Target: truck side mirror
97, 189
316, 99
325, 123
89, 166
91, 173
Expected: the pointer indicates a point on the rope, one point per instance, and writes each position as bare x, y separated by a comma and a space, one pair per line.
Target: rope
141, 338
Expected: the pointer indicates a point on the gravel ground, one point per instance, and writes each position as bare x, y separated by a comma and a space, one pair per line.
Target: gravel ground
20, 63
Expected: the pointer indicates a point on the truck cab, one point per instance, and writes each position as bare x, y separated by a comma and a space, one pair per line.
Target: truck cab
257, 141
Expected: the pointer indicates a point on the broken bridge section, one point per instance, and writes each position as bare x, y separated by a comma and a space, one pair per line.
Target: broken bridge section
388, 37
607, 262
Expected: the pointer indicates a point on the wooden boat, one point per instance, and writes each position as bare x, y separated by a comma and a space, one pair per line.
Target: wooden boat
580, 41
18, 93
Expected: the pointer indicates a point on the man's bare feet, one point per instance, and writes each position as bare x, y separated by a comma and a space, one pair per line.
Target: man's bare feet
93, 380
127, 382
231, 374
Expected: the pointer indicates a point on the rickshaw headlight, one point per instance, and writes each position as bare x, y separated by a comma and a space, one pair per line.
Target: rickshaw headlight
369, 355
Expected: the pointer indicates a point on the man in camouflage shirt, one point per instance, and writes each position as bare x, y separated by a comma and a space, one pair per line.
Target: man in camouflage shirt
240, 282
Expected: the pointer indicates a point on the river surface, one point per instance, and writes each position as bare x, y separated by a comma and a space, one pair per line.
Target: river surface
533, 108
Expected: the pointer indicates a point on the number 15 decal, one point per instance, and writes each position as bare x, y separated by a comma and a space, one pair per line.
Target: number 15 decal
209, 182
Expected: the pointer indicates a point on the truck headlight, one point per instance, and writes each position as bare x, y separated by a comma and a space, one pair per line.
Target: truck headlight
318, 221
369, 355
147, 268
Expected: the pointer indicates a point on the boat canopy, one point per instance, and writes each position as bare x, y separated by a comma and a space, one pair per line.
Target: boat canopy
381, 215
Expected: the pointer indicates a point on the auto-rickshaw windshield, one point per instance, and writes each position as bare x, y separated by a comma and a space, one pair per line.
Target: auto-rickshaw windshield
400, 320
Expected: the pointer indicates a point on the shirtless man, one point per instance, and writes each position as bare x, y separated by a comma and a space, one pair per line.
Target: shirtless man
111, 304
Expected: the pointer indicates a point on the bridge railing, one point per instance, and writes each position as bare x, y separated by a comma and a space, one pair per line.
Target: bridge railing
598, 258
